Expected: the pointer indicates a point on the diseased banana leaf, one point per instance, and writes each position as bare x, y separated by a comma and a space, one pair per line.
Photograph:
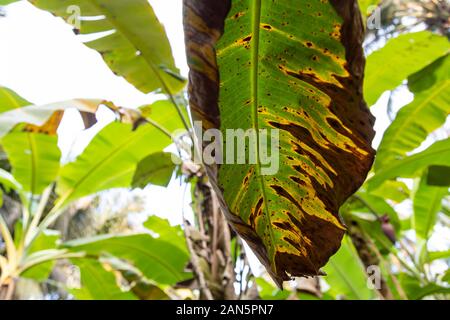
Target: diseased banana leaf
43, 118
297, 67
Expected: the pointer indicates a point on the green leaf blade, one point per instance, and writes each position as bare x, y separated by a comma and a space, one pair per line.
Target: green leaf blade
284, 67
110, 160
427, 202
157, 259
35, 159
437, 154
428, 111
388, 67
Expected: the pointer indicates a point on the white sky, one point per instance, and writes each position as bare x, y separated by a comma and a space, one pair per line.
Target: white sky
43, 61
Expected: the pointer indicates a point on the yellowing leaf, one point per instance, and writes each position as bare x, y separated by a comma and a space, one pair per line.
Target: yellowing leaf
295, 67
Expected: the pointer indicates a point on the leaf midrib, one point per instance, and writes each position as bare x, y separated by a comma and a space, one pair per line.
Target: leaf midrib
104, 160
129, 37
411, 118
343, 275
33, 160
256, 19
376, 180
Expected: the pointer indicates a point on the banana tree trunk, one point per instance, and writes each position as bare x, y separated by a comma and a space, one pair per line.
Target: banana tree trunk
209, 242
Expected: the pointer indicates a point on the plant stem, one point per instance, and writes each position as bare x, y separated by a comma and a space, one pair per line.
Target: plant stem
11, 252
58, 255
38, 215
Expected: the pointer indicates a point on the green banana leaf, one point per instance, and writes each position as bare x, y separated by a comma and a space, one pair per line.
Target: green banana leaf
437, 154
157, 169
163, 111
34, 157
446, 278
379, 206
294, 69
130, 39
366, 4
346, 274
435, 255
46, 240
6, 2
109, 161
157, 259
396, 191
427, 202
172, 234
97, 283
9, 100
144, 289
428, 111
388, 67
438, 176
417, 291
8, 181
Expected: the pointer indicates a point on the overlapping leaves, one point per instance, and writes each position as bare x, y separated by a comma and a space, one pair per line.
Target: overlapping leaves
130, 39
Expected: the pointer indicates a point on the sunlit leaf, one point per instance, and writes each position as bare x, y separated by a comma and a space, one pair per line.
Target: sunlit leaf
165, 232
157, 259
365, 5
156, 168
437, 154
34, 158
268, 291
8, 181
389, 66
130, 39
427, 202
110, 160
9, 100
435, 255
163, 111
414, 122
97, 283
446, 277
140, 286
45, 240
396, 191
40, 118
416, 291
346, 274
